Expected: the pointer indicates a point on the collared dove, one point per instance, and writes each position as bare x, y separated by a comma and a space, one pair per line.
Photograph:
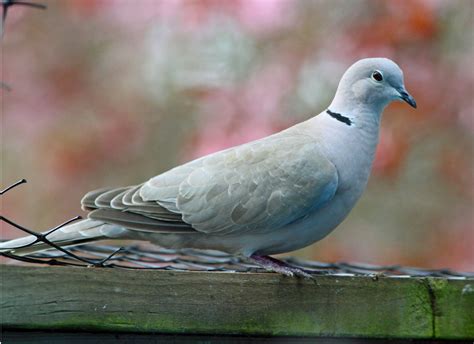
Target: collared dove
268, 196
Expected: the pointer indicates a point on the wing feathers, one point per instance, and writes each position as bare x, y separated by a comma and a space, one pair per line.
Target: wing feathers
139, 222
125, 207
88, 201
259, 186
104, 199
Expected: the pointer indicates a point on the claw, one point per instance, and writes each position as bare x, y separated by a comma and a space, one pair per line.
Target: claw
275, 265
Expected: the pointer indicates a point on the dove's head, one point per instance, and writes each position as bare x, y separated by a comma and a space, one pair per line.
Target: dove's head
372, 82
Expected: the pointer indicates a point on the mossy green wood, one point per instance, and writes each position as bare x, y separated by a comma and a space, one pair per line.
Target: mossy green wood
67, 298
453, 308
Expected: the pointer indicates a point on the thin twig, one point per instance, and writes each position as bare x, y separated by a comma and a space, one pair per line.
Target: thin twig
109, 257
42, 238
27, 259
62, 225
21, 181
6, 4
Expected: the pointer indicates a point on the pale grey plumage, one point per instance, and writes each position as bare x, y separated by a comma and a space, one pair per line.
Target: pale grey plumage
268, 196
257, 186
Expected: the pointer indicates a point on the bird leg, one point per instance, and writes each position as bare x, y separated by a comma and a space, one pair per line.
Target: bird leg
275, 265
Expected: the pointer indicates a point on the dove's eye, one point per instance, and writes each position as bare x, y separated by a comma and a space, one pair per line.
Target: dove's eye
377, 76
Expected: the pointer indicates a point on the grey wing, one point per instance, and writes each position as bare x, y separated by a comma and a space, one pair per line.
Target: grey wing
261, 185
125, 207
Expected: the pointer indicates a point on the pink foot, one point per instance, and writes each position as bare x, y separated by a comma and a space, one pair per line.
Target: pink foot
275, 265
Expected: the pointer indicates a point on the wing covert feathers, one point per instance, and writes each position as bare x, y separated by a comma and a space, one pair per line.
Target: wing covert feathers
259, 186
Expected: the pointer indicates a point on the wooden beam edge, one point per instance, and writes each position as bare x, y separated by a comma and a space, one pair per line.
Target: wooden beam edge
234, 303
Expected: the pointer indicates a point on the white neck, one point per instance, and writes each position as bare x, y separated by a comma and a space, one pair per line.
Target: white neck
362, 115
351, 148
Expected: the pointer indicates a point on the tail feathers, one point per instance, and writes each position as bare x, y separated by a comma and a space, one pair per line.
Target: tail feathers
72, 234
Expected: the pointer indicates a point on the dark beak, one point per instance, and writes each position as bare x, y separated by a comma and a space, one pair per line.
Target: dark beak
408, 98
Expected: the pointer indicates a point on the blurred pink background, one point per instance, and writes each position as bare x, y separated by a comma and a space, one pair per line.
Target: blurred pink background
112, 92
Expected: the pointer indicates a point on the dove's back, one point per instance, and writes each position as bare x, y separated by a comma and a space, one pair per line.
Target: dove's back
255, 187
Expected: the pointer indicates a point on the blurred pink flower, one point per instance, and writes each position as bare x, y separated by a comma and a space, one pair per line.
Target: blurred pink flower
265, 15
247, 112
258, 16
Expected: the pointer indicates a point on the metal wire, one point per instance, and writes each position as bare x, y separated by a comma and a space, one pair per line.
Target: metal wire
6, 4
153, 257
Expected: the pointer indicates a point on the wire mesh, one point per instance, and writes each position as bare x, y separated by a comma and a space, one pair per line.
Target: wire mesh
152, 257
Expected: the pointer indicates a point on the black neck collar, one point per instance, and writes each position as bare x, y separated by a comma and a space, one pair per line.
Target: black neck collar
339, 117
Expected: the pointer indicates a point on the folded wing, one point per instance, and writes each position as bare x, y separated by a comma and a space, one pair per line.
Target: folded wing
259, 186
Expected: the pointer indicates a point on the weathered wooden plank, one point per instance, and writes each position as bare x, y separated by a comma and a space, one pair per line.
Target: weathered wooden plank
453, 308
67, 298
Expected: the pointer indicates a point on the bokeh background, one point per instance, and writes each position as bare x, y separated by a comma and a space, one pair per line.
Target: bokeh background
112, 92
